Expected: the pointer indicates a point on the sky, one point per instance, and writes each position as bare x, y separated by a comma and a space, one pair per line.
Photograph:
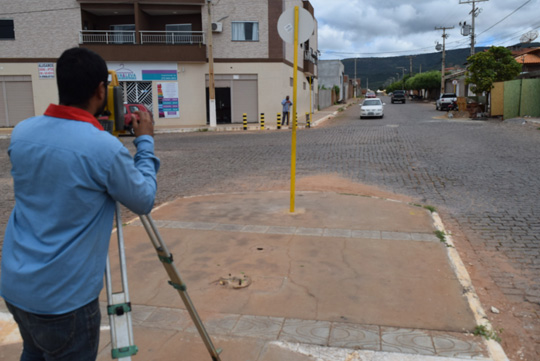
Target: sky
383, 28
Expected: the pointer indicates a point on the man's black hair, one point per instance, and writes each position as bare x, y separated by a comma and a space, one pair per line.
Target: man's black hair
78, 74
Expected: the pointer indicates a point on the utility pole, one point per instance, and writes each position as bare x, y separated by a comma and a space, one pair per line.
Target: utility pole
410, 64
211, 82
355, 82
402, 77
474, 12
444, 36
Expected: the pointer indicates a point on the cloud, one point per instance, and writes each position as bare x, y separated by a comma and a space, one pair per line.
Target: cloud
389, 28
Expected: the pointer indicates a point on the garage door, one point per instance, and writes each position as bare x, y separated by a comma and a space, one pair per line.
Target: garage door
16, 100
245, 100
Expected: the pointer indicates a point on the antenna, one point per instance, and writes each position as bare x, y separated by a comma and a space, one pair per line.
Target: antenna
528, 37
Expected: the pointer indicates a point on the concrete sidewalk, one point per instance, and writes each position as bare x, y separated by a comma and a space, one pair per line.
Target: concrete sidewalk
344, 277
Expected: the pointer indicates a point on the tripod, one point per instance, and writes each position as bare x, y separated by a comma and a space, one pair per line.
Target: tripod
119, 305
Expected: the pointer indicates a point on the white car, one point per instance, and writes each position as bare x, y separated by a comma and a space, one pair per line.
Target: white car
372, 108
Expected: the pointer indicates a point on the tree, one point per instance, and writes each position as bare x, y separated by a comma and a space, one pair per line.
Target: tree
485, 68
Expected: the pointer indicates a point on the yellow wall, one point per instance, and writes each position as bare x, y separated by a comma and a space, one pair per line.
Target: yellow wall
497, 99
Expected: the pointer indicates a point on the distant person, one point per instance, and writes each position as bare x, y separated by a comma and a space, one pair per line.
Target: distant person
286, 109
68, 173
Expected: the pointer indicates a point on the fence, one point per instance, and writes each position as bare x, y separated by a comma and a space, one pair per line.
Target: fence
516, 98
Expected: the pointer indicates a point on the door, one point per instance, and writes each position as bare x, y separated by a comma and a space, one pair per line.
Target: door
223, 106
16, 100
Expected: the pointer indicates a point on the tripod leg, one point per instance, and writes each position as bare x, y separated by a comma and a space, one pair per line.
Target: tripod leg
118, 304
176, 281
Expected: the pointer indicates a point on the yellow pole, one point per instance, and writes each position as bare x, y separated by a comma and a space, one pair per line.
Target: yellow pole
295, 83
310, 107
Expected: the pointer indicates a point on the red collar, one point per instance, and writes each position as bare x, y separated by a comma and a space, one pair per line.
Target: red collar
72, 113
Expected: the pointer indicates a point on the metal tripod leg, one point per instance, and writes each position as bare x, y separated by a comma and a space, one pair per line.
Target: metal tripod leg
118, 304
176, 281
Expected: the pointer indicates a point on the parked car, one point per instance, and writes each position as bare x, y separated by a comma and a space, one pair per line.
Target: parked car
445, 101
398, 96
129, 109
372, 108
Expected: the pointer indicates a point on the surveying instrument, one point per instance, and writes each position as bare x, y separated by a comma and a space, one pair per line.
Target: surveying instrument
118, 303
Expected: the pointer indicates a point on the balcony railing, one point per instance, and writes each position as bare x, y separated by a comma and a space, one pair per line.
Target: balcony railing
172, 37
147, 37
311, 56
106, 37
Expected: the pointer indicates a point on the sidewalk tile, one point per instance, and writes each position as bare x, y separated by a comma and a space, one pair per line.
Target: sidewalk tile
348, 335
401, 236
366, 234
328, 232
262, 327
406, 341
306, 331
302, 231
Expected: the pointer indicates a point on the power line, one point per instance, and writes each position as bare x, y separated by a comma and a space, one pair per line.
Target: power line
506, 17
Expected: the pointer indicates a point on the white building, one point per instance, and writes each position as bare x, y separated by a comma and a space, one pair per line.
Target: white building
159, 51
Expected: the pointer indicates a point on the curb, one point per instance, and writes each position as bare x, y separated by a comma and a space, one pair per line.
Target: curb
495, 350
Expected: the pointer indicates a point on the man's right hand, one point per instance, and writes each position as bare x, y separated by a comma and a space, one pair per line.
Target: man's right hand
145, 124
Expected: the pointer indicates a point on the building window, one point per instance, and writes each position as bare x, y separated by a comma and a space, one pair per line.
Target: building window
179, 34
7, 29
245, 31
123, 34
291, 81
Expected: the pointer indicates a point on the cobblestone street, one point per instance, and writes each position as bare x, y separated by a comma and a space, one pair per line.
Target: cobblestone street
482, 176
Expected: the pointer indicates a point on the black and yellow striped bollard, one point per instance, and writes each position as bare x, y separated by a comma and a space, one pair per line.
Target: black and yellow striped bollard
296, 120
308, 121
245, 121
262, 121
279, 120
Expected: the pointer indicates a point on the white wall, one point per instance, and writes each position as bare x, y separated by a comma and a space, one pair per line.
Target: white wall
252, 10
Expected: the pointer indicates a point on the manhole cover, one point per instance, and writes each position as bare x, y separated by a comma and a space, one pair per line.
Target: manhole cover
234, 281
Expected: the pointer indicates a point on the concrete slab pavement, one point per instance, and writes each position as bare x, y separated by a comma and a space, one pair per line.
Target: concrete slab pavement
344, 277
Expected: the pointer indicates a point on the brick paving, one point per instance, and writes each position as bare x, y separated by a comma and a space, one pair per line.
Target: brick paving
483, 175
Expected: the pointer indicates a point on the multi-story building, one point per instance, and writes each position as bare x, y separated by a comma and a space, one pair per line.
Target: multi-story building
159, 49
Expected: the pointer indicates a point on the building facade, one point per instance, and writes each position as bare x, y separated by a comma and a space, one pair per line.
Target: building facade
160, 51
332, 74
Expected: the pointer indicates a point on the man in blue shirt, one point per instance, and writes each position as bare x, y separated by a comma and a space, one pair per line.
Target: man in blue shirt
68, 174
286, 107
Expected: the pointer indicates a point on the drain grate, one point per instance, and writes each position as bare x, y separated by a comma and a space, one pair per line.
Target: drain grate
234, 281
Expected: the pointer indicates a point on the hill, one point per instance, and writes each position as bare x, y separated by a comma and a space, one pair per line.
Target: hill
380, 70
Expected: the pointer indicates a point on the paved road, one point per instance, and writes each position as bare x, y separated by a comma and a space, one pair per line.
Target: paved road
483, 176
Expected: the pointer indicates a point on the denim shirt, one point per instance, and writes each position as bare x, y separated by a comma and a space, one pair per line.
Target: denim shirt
68, 175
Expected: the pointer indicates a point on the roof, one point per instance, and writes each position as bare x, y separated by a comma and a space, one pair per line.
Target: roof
528, 58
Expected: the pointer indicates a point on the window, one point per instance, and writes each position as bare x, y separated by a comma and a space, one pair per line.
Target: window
245, 31
179, 34
7, 29
123, 34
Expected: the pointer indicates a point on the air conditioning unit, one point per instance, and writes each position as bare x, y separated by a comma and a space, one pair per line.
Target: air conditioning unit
217, 27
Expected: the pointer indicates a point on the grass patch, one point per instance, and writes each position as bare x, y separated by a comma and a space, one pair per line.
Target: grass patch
431, 209
203, 130
442, 237
341, 109
487, 333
